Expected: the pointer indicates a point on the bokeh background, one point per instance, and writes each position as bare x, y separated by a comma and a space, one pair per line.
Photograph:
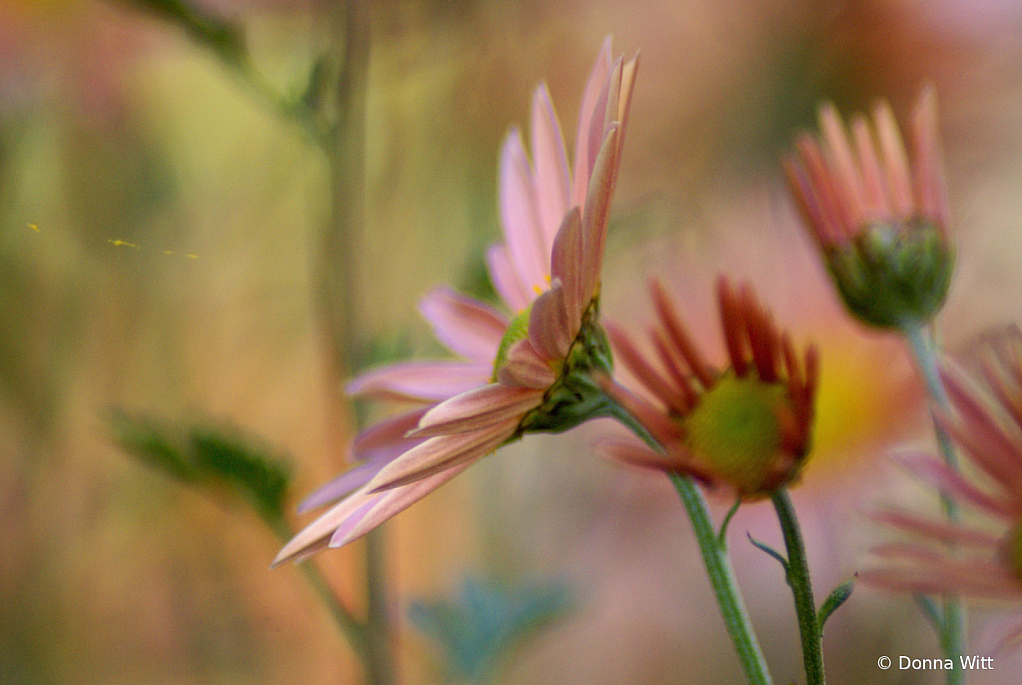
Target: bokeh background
158, 244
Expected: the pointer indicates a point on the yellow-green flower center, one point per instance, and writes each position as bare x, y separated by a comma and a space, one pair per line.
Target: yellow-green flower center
735, 430
516, 330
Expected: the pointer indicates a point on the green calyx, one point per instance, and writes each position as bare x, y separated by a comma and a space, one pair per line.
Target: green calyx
894, 276
736, 432
575, 397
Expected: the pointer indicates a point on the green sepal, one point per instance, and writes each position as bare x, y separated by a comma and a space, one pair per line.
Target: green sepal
894, 276
834, 600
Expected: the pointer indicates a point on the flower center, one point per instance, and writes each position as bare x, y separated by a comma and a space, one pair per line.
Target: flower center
737, 431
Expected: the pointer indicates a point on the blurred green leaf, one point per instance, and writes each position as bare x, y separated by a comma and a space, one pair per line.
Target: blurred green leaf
207, 456
487, 621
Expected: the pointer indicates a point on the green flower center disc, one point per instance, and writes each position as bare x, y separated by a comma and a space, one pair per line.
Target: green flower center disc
735, 430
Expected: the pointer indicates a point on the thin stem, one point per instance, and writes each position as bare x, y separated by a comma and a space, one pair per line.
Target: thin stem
952, 626
801, 589
722, 578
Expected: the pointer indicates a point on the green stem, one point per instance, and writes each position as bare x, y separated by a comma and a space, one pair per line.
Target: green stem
713, 549
802, 589
953, 619
722, 578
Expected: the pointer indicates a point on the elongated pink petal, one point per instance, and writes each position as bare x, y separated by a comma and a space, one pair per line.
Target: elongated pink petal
440, 453
940, 531
851, 194
478, 408
643, 371
947, 480
316, 536
425, 381
466, 326
566, 266
625, 96
386, 505
899, 183
679, 336
664, 430
633, 452
588, 110
350, 480
385, 433
525, 368
505, 279
550, 159
550, 325
931, 194
596, 213
875, 193
518, 214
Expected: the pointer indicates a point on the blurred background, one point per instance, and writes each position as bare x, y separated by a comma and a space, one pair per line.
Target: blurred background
159, 232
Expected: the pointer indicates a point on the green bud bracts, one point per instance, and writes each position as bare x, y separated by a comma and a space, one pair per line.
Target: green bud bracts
894, 276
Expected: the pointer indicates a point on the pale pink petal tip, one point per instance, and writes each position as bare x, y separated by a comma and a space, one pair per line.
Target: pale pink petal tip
476, 409
464, 325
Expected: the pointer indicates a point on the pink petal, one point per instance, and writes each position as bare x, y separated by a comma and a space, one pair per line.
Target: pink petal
625, 96
519, 217
385, 505
349, 481
525, 369
596, 213
586, 114
551, 162
505, 280
643, 371
632, 451
566, 266
549, 324
426, 381
441, 453
851, 194
316, 536
899, 183
466, 326
947, 480
478, 409
931, 195
385, 433
940, 531
877, 203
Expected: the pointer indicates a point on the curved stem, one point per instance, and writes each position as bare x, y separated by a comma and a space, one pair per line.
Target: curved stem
722, 578
952, 624
801, 588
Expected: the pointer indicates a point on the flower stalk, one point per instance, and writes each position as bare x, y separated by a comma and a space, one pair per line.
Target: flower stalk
798, 578
951, 624
722, 578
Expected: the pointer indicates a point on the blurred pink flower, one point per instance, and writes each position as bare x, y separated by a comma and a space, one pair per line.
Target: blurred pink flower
748, 426
547, 272
881, 227
988, 428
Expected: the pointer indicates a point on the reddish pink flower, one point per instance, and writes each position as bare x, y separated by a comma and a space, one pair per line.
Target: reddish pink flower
988, 429
747, 427
879, 220
547, 272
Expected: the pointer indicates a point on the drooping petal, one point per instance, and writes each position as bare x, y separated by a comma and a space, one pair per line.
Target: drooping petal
384, 505
347, 482
519, 216
550, 330
587, 111
386, 433
440, 453
550, 160
478, 408
947, 480
524, 368
466, 326
505, 280
316, 536
424, 381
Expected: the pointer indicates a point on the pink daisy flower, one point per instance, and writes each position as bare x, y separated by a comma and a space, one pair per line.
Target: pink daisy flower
879, 219
516, 374
747, 427
988, 428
